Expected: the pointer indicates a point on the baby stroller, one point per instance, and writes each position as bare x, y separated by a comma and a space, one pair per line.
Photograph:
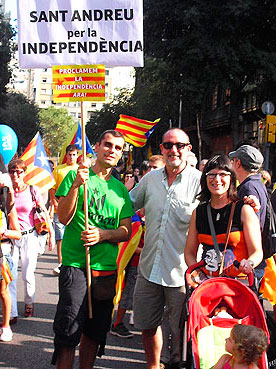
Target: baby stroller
204, 333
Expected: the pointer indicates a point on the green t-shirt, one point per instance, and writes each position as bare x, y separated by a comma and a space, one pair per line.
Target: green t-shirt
108, 203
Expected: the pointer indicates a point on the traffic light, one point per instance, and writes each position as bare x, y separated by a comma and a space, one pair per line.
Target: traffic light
271, 128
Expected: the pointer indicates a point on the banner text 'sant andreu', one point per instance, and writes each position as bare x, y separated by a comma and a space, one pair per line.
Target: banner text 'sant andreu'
83, 16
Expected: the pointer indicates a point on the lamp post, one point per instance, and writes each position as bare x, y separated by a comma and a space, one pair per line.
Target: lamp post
180, 112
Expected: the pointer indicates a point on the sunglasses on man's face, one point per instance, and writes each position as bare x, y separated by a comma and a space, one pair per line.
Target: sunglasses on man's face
178, 145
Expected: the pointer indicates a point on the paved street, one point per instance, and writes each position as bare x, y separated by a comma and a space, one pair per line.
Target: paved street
32, 345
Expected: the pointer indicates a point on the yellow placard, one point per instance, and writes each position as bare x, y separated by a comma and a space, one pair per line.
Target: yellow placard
271, 119
78, 83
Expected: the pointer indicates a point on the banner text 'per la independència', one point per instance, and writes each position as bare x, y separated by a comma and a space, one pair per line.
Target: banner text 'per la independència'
58, 32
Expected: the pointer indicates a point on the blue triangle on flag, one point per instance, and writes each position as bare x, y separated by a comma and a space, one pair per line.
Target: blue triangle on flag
41, 159
78, 142
147, 134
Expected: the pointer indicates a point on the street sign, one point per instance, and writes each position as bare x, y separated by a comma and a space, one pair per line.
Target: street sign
268, 107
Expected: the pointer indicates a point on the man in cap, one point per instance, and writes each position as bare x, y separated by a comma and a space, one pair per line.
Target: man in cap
247, 161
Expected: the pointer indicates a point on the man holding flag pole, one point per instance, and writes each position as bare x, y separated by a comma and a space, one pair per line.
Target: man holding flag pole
109, 212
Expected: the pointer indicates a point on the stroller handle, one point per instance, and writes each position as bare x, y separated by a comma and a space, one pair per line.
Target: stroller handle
201, 263
250, 276
189, 271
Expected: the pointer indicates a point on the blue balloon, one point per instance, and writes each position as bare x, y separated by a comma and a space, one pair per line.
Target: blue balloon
8, 143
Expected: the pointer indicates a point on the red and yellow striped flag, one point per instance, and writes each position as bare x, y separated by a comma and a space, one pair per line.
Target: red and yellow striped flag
135, 131
38, 171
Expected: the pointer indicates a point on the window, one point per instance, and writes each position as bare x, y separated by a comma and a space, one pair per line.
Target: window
44, 80
43, 90
107, 72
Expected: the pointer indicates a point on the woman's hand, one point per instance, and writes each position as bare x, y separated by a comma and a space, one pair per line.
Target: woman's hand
253, 201
51, 241
246, 266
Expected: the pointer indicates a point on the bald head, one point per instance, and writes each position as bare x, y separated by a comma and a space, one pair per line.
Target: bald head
180, 133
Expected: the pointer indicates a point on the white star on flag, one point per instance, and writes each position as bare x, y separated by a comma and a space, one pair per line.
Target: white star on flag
43, 159
78, 142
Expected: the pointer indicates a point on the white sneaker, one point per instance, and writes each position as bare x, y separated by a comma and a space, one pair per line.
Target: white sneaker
56, 270
6, 334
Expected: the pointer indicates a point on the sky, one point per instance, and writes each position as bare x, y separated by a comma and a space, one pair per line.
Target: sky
11, 7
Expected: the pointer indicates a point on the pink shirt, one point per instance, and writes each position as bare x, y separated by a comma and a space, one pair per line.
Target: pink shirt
25, 207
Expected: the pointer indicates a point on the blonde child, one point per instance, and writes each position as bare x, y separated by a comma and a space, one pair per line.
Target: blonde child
246, 345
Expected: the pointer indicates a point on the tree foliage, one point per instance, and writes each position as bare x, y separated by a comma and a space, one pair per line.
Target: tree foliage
55, 125
21, 115
210, 43
6, 35
194, 46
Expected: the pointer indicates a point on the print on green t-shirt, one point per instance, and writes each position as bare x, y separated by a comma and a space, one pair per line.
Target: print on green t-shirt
108, 203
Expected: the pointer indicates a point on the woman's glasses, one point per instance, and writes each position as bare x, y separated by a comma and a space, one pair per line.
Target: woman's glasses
17, 171
221, 175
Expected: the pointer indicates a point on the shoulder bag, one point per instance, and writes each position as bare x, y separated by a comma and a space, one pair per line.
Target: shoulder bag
40, 221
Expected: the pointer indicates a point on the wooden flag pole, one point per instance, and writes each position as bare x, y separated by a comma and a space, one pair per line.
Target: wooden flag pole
85, 203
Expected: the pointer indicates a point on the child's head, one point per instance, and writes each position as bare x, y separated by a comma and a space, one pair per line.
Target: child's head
248, 342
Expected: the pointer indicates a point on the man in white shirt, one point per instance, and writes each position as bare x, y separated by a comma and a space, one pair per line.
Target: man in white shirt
169, 197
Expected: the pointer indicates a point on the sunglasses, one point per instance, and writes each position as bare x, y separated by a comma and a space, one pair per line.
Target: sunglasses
179, 145
18, 172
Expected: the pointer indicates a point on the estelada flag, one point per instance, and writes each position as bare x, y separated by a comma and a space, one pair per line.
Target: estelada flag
135, 131
75, 139
38, 171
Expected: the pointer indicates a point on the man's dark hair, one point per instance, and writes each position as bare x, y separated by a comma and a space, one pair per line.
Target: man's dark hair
70, 148
217, 162
110, 132
144, 166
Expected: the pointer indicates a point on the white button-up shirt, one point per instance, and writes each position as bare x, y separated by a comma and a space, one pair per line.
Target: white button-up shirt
168, 214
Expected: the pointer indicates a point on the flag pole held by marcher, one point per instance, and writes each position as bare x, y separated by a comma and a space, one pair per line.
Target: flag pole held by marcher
85, 203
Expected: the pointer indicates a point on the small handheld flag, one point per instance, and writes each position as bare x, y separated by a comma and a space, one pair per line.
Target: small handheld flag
135, 131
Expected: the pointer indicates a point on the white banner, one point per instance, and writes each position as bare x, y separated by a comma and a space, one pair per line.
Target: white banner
59, 32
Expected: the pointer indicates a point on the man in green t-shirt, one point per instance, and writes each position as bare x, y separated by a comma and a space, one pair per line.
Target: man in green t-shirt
109, 213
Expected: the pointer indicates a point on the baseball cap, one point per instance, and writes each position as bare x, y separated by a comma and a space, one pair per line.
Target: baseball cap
249, 156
